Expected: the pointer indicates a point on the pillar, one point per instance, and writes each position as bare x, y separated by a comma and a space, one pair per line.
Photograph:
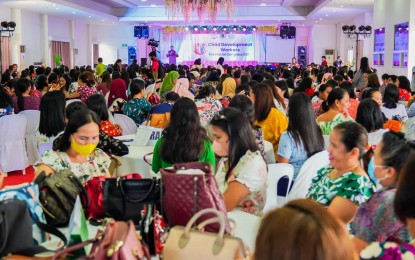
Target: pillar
45, 41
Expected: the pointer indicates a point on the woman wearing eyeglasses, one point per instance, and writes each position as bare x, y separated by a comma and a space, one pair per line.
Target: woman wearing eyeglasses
376, 220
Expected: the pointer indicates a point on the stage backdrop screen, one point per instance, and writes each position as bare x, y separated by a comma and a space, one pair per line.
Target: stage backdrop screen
279, 50
233, 47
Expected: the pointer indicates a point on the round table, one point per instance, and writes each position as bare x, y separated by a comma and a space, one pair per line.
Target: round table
133, 162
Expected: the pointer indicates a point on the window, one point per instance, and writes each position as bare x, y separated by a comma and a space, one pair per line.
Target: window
379, 48
400, 54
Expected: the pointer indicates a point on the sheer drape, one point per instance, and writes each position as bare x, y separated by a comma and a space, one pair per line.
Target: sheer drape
5, 53
63, 50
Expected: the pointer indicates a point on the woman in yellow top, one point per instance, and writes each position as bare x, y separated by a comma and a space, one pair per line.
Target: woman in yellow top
336, 111
272, 121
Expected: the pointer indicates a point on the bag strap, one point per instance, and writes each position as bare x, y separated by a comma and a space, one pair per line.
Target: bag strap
153, 185
50, 229
145, 158
73, 248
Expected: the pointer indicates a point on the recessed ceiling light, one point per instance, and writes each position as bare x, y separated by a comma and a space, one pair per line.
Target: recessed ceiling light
342, 6
327, 15
321, 19
102, 20
73, 12
113, 22
57, 8
263, 4
153, 5
89, 16
54, 5
143, 0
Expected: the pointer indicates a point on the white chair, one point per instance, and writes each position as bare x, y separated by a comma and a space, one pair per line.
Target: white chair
269, 152
33, 119
247, 226
43, 147
107, 97
307, 172
128, 125
376, 137
326, 141
72, 100
276, 172
409, 128
111, 118
13, 154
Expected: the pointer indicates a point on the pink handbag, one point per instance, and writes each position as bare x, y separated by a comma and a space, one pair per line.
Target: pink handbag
189, 188
119, 241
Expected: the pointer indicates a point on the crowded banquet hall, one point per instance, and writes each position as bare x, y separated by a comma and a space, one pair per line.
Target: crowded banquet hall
207, 129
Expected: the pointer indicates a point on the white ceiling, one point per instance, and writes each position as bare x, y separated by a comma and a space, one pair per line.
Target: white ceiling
258, 12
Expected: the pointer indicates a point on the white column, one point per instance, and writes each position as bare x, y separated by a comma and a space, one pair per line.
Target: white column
16, 39
89, 50
45, 40
72, 42
411, 44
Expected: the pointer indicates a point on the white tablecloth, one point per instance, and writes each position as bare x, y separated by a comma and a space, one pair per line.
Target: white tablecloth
133, 162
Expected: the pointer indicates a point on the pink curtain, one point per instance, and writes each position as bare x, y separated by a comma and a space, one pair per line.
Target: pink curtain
63, 50
6, 58
95, 53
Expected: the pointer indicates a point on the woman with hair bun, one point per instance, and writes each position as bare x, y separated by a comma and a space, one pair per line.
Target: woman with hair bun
85, 88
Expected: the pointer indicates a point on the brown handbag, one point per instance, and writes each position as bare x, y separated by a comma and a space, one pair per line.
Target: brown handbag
189, 188
119, 241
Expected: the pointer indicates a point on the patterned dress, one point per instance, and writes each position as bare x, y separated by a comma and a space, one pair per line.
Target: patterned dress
137, 109
97, 164
207, 108
376, 220
85, 92
388, 251
109, 128
250, 171
351, 186
327, 127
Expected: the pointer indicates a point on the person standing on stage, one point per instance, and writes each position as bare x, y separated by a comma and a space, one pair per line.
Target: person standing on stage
338, 63
172, 55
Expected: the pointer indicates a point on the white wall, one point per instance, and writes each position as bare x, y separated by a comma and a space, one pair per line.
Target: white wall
321, 37
387, 14
31, 38
81, 43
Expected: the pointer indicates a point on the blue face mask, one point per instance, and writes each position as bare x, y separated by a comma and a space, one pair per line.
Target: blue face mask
371, 171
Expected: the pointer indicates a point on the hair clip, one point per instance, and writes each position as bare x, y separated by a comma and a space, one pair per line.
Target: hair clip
368, 147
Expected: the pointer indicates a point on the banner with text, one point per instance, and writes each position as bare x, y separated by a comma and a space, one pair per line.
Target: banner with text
232, 47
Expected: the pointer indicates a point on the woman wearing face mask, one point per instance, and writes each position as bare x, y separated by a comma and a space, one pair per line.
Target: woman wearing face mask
376, 220
76, 149
242, 172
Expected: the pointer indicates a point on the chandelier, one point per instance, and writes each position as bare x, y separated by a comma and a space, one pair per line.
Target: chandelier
175, 8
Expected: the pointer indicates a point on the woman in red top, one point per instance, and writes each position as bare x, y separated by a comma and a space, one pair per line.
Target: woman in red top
306, 86
155, 64
404, 88
97, 104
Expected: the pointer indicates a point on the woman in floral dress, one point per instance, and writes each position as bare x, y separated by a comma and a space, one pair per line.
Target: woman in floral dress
343, 185
242, 172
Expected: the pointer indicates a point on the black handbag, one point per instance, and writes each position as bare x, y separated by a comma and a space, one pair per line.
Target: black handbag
124, 198
57, 195
16, 229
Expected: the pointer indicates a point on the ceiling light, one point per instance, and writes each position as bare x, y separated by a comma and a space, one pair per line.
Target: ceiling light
73, 12
215, 28
263, 4
186, 28
321, 19
153, 5
254, 28
327, 15
57, 8
195, 29
143, 0
204, 28
113, 22
102, 20
342, 6
224, 28
54, 5
89, 16
235, 28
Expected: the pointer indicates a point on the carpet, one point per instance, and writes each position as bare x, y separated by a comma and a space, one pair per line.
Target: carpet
17, 177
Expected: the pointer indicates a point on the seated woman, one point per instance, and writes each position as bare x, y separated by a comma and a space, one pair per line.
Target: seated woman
228, 87
391, 108
376, 219
52, 117
404, 209
76, 149
160, 114
137, 108
353, 102
370, 117
85, 88
23, 100
303, 137
97, 104
245, 105
302, 222
404, 86
117, 96
6, 103
343, 185
320, 98
277, 95
207, 104
306, 85
184, 139
106, 143
337, 111
168, 83
272, 121
242, 172
182, 88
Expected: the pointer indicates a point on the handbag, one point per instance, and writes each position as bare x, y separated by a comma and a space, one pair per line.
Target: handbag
124, 198
30, 194
16, 229
153, 229
119, 241
189, 188
58, 194
184, 243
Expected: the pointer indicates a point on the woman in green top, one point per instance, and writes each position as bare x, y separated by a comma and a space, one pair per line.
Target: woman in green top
184, 139
344, 185
169, 82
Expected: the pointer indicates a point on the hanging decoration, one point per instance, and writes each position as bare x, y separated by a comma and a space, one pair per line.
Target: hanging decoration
175, 8
222, 29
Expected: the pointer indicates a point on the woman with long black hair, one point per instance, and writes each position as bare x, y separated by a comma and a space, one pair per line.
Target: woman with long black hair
23, 100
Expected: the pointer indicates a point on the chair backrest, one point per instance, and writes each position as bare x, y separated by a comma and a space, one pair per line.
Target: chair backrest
43, 147
307, 172
33, 119
71, 101
276, 172
326, 141
13, 154
409, 128
128, 125
376, 137
269, 152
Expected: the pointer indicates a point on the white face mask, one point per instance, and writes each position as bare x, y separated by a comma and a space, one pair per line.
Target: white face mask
221, 149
